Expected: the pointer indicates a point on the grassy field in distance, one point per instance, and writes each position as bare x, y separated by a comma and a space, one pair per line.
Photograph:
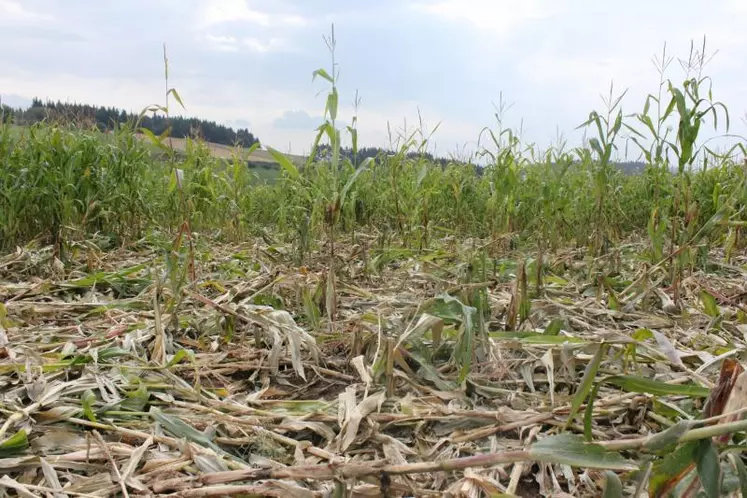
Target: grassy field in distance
227, 152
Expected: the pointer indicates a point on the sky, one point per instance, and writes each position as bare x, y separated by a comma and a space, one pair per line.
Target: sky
249, 63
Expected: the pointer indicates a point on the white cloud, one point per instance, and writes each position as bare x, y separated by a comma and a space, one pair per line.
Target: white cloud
221, 11
551, 59
13, 11
130, 94
274, 45
587, 76
500, 16
735, 6
297, 120
223, 43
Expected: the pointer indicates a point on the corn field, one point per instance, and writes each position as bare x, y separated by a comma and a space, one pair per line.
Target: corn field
540, 324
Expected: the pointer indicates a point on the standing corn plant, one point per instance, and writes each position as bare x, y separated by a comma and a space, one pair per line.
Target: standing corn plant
608, 128
331, 198
690, 109
177, 173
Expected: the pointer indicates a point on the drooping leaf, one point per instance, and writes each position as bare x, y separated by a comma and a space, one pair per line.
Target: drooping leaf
50, 474
589, 413
87, 400
554, 327
613, 486
741, 471
425, 323
667, 348
361, 411
15, 444
173, 92
642, 334
570, 449
709, 470
180, 355
321, 73
535, 338
179, 429
285, 163
709, 303
587, 382
671, 469
137, 400
351, 181
634, 383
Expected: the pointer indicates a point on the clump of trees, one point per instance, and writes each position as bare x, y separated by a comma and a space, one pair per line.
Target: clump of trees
107, 118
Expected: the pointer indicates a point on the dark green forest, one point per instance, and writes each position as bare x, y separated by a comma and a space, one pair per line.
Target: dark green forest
107, 118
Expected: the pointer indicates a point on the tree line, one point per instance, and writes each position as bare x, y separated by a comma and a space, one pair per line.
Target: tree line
107, 118
324, 151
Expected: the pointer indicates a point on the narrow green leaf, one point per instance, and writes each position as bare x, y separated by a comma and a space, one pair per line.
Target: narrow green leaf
671, 469
425, 323
180, 355
285, 163
596, 146
109, 353
587, 382
15, 444
647, 105
178, 428
618, 123
642, 335
709, 303
589, 413
736, 459
431, 374
137, 400
570, 449
351, 181
331, 134
252, 149
165, 133
153, 138
173, 92
633, 383
554, 327
87, 400
613, 487
535, 337
321, 73
708, 466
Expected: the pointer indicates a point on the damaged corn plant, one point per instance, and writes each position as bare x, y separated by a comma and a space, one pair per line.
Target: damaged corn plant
539, 325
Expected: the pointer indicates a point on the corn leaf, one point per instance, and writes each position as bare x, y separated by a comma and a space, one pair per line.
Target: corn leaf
708, 467
570, 449
15, 444
587, 382
633, 383
285, 163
